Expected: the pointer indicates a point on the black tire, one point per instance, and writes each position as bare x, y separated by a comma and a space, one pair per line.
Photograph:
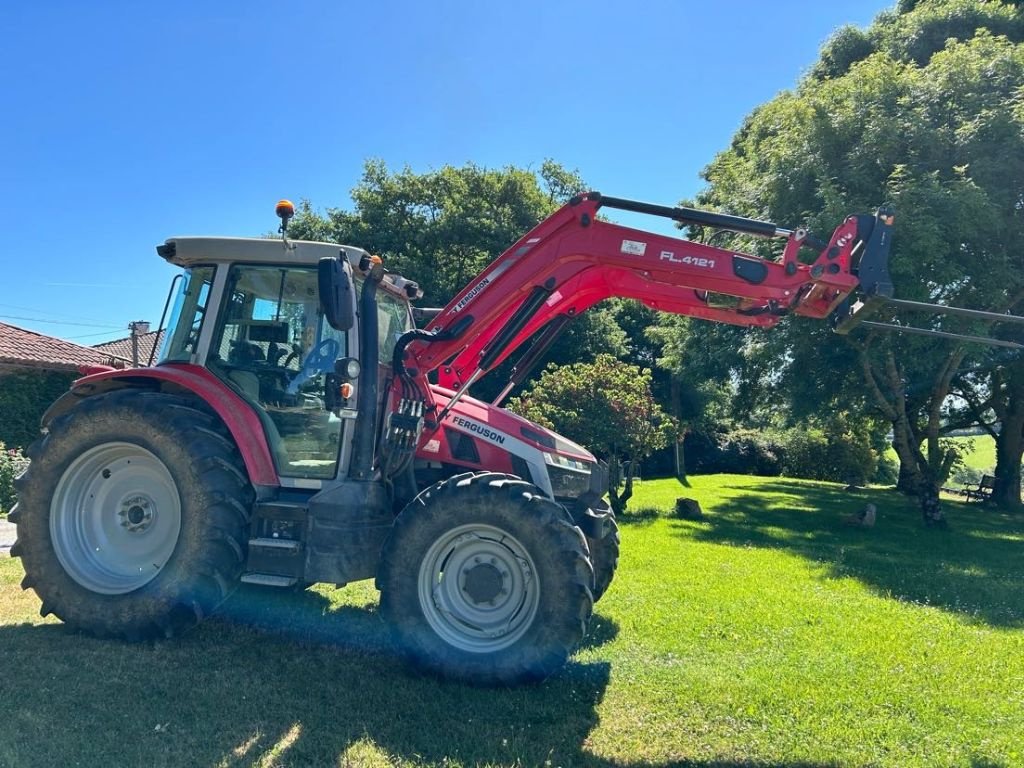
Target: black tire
202, 535
533, 566
604, 556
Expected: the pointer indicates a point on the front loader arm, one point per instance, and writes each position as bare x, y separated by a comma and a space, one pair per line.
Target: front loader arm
572, 260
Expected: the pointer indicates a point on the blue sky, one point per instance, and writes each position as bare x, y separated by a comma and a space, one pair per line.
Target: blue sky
125, 123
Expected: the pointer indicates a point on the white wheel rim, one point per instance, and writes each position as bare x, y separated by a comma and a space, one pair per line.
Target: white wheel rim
478, 588
115, 518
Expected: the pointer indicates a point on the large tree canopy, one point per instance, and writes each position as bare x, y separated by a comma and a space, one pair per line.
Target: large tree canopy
443, 226
924, 109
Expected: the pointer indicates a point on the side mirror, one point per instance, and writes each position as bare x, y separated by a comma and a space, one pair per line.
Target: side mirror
337, 292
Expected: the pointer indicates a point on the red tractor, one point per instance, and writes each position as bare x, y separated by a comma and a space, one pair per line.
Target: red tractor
289, 434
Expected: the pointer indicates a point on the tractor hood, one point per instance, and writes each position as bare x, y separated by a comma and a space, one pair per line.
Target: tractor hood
479, 436
499, 425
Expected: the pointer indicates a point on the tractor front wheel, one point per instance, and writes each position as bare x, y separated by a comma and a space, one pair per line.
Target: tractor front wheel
132, 515
486, 580
604, 555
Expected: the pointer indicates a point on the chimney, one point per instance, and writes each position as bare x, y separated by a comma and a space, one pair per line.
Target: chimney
138, 328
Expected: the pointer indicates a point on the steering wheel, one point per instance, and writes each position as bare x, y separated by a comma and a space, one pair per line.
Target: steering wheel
320, 360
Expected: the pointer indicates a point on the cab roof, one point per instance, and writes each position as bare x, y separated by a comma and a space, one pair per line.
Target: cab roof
192, 251
189, 251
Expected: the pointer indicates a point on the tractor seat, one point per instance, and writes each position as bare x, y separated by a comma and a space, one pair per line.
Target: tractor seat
247, 381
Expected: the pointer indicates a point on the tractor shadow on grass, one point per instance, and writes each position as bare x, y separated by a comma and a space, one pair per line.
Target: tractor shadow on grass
308, 617
283, 679
226, 695
972, 568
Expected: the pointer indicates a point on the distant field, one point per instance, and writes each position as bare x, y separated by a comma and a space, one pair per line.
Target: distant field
982, 456
768, 633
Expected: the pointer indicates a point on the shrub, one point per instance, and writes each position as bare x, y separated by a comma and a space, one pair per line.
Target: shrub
12, 464
814, 455
737, 452
810, 453
964, 475
888, 471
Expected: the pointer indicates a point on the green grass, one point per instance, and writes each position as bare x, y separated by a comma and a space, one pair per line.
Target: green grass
768, 633
981, 454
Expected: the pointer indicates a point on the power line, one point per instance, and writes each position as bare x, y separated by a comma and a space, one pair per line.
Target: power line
36, 310
60, 322
91, 335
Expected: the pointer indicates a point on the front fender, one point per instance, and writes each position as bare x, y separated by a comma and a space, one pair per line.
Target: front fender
239, 418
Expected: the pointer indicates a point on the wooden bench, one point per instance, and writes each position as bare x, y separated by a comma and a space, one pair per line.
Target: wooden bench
983, 491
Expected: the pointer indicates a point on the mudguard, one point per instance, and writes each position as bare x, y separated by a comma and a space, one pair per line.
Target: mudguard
239, 418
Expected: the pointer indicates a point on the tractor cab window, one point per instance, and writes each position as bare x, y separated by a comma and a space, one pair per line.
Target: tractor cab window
187, 315
273, 347
394, 319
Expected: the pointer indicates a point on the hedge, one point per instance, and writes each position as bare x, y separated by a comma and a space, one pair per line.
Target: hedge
24, 398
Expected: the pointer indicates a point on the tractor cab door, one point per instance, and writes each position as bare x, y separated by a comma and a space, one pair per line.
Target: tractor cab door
272, 345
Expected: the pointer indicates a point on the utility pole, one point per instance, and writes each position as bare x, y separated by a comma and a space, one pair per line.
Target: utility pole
138, 328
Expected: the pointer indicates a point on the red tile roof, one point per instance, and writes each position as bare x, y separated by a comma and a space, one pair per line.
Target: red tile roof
123, 347
21, 348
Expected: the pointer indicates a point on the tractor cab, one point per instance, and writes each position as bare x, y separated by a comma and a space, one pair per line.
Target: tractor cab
249, 311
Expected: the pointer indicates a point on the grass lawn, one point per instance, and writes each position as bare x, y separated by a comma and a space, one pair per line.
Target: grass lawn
981, 453
767, 634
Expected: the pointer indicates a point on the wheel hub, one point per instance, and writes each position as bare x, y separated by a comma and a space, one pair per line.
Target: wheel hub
115, 518
483, 582
136, 513
477, 588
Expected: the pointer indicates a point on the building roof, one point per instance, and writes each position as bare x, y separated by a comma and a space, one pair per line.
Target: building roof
123, 347
21, 348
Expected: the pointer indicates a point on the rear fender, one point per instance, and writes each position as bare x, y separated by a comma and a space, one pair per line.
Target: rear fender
239, 418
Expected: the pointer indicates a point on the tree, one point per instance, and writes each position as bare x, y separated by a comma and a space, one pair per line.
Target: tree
608, 406
698, 377
923, 109
443, 226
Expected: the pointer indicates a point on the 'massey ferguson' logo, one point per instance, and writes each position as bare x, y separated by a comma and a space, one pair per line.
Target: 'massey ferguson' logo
479, 429
473, 293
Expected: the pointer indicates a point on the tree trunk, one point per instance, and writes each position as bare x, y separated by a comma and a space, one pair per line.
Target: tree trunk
679, 451
904, 443
931, 509
921, 473
615, 476
1009, 449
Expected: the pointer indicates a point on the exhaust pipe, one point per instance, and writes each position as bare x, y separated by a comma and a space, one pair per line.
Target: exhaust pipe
364, 439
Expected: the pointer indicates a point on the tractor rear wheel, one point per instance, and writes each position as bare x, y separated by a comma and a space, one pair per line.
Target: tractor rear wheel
132, 515
484, 579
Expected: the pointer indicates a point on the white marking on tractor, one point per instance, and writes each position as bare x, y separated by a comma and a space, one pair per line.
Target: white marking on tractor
634, 247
